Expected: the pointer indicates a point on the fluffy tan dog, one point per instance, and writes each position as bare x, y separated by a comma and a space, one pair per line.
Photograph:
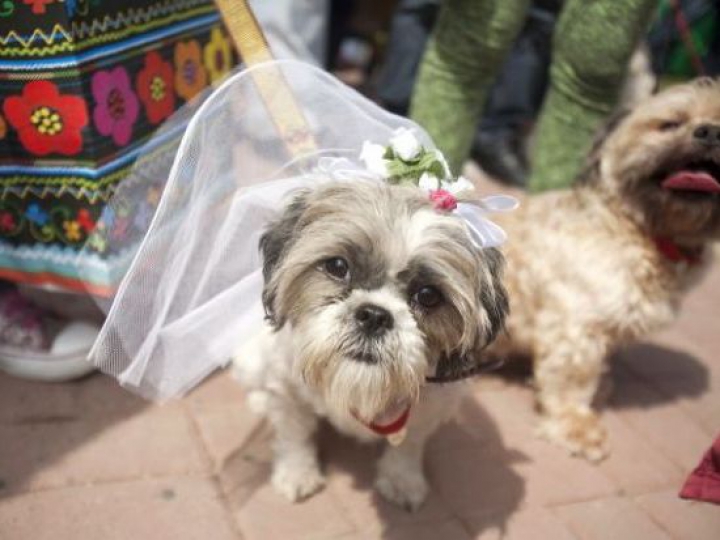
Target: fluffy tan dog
594, 267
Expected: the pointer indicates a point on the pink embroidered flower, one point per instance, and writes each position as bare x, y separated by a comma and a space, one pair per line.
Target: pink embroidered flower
116, 106
443, 200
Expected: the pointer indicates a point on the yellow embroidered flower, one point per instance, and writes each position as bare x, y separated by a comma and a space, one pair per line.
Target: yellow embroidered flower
190, 76
217, 55
72, 230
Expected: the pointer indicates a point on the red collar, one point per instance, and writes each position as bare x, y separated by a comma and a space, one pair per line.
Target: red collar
675, 253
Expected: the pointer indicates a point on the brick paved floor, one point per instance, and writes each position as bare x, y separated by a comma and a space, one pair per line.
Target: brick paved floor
86, 460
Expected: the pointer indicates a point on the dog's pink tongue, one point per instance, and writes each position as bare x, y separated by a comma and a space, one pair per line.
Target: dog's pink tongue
692, 181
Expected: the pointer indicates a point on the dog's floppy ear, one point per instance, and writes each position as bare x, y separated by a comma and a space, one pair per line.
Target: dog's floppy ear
493, 295
274, 245
494, 302
590, 172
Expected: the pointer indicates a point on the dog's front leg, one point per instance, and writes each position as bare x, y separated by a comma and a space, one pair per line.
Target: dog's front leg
296, 471
400, 477
567, 377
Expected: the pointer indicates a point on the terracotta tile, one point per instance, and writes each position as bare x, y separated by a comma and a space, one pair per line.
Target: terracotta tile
697, 324
247, 469
265, 515
177, 508
371, 513
634, 465
667, 361
96, 396
529, 523
450, 529
616, 518
476, 476
705, 410
225, 428
683, 519
553, 477
512, 409
218, 389
350, 467
664, 425
548, 473
675, 377
159, 442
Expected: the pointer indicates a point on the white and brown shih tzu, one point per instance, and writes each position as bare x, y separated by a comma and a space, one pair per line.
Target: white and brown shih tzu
371, 294
605, 263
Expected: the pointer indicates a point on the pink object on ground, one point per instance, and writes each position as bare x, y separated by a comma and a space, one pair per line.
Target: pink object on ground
703, 484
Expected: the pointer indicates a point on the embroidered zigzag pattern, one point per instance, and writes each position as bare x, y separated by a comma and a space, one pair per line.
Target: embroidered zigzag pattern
98, 31
90, 195
68, 46
58, 33
135, 18
7, 182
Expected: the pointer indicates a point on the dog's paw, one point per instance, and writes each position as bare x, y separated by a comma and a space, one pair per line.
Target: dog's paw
579, 431
403, 488
296, 483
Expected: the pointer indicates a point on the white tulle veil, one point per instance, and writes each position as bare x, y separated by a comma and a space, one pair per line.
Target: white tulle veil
186, 274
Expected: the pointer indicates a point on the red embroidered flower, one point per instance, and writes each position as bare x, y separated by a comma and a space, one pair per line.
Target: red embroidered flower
443, 200
154, 85
47, 121
7, 221
38, 6
85, 220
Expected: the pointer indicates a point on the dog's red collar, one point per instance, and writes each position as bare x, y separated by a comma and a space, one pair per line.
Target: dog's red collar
676, 253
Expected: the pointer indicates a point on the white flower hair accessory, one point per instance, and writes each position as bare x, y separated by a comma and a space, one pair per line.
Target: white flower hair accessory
406, 161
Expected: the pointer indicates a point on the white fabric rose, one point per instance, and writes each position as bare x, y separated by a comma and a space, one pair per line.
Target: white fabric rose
372, 156
405, 145
429, 182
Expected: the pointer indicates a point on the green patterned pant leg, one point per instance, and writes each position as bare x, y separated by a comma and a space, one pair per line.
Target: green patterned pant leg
463, 57
593, 43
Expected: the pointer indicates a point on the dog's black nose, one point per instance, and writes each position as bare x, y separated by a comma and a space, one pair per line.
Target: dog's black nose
373, 319
707, 134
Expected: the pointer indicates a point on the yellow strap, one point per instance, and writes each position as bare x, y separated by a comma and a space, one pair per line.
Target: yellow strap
272, 86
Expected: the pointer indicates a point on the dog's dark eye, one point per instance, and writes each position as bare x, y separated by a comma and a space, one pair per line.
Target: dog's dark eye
337, 267
669, 125
428, 297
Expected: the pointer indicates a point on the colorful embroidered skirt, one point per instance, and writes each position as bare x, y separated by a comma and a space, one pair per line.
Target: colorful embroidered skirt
84, 84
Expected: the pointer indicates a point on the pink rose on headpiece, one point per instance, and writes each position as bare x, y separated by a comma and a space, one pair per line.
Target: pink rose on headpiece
443, 200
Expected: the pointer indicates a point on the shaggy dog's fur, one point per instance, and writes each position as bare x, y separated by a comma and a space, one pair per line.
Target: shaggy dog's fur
604, 263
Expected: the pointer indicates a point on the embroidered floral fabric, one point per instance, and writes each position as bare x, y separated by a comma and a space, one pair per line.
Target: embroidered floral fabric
84, 84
